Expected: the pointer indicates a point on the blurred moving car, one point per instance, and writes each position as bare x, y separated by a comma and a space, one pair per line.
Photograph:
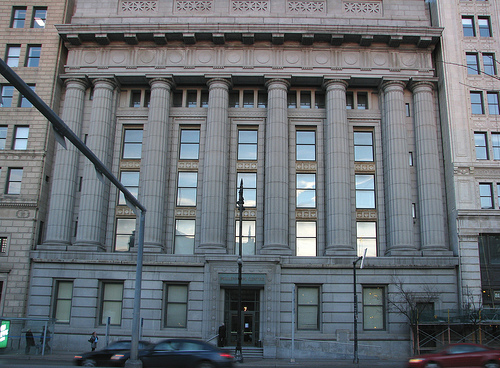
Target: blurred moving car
185, 353
458, 355
114, 355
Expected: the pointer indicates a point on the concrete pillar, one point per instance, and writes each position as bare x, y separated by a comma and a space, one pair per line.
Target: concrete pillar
215, 169
430, 194
65, 178
399, 219
276, 181
94, 198
154, 163
339, 219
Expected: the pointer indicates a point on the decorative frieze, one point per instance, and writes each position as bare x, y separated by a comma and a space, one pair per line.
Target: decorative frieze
308, 7
139, 6
190, 6
363, 7
247, 6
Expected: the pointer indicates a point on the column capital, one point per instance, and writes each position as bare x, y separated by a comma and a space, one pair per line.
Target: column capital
388, 85
80, 82
219, 82
331, 83
107, 82
280, 83
416, 85
164, 81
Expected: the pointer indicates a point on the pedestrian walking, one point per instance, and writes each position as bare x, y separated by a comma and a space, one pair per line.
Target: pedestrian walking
30, 341
222, 335
93, 340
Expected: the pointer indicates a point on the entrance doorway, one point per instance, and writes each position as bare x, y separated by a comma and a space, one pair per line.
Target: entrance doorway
250, 316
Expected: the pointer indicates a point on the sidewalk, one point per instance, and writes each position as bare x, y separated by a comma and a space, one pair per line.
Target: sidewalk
64, 356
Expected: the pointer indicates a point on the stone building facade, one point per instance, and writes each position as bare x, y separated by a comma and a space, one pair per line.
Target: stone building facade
326, 110
31, 46
469, 96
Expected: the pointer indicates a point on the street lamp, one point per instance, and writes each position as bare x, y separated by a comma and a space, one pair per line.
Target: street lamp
238, 352
356, 358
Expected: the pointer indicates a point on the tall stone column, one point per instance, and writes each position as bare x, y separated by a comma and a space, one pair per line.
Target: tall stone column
65, 178
154, 163
397, 185
430, 192
95, 193
276, 170
215, 169
337, 172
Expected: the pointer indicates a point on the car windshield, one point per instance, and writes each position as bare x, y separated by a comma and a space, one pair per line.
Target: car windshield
119, 345
461, 349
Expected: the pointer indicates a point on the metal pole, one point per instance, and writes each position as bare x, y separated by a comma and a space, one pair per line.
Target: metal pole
356, 358
292, 359
239, 353
134, 362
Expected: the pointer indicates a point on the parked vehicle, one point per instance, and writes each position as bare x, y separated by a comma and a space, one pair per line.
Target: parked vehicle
458, 355
114, 355
185, 353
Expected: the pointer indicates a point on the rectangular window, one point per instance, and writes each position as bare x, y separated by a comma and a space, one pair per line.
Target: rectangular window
484, 26
184, 236
33, 56
365, 191
125, 234
176, 306
476, 100
373, 308
130, 180
468, 26
306, 239
308, 308
363, 146
472, 63
247, 238
7, 94
204, 98
248, 100
349, 100
481, 146
62, 301
20, 138
234, 99
135, 98
362, 103
495, 145
249, 188
305, 99
14, 178
23, 101
306, 190
493, 105
192, 98
3, 137
247, 145
407, 109
319, 100
190, 144
489, 64
13, 55
39, 17
111, 303
261, 99
187, 184
132, 144
366, 233
486, 195
18, 17
3, 245
292, 99
306, 145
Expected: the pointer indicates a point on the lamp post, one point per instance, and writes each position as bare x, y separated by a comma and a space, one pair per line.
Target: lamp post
238, 352
356, 358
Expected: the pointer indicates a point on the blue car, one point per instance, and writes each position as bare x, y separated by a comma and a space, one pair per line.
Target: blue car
185, 353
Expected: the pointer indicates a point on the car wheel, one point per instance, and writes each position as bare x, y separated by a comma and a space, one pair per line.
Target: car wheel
89, 363
492, 365
205, 365
432, 365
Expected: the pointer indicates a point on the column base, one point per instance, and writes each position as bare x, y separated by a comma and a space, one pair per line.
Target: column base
211, 249
53, 245
437, 252
403, 253
86, 247
340, 252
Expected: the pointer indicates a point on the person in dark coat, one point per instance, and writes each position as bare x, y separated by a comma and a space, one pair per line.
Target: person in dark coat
93, 340
222, 335
30, 341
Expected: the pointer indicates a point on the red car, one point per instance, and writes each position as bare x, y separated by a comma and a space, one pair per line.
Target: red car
458, 355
